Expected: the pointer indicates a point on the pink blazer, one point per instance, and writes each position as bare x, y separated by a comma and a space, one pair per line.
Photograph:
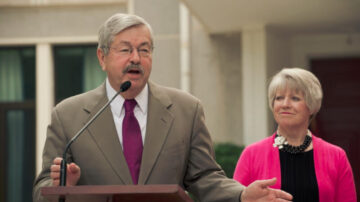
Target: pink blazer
333, 171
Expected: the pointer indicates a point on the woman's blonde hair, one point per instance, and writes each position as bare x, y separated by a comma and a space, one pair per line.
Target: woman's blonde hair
299, 80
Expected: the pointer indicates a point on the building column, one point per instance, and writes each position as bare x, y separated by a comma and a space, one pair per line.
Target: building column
44, 97
254, 77
185, 77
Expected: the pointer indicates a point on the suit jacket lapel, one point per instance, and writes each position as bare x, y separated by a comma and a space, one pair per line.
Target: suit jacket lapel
103, 131
159, 122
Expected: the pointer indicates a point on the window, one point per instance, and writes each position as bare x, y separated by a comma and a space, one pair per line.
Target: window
17, 123
77, 70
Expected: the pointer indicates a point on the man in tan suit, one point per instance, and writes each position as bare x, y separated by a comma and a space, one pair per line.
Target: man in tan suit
176, 145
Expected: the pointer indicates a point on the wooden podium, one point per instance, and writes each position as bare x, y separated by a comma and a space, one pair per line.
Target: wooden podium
117, 193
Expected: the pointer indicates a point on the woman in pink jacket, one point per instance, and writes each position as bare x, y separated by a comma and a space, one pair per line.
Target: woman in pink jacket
306, 166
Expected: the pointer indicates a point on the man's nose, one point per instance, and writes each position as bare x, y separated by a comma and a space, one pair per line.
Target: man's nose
135, 57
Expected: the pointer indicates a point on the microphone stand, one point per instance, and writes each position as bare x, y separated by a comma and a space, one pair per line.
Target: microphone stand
63, 166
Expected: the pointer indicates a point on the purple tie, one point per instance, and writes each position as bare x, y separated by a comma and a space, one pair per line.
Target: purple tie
132, 141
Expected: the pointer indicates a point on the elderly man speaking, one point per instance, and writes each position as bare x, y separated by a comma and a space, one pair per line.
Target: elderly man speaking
150, 134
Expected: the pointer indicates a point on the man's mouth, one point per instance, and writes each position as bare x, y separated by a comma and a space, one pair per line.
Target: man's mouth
134, 71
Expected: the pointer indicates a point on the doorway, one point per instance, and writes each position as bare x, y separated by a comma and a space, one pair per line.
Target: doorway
17, 123
338, 121
17, 159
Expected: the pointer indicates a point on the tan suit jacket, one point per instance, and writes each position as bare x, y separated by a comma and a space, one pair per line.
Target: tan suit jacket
177, 148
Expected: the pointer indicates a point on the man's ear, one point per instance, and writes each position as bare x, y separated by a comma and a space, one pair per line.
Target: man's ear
101, 58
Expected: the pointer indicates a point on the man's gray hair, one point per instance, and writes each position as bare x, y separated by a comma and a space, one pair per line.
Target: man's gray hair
299, 80
116, 24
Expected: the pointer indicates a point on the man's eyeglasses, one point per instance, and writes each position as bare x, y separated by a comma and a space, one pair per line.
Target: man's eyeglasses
143, 51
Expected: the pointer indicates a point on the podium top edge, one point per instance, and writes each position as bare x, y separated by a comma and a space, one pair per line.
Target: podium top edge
111, 189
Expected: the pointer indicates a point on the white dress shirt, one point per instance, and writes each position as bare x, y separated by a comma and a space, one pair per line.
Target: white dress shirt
118, 110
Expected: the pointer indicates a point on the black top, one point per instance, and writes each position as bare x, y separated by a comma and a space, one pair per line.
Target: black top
298, 176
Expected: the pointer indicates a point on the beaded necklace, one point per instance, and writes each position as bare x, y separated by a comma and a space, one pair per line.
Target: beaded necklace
283, 145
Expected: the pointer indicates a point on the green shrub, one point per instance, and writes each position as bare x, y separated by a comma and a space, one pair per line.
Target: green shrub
227, 155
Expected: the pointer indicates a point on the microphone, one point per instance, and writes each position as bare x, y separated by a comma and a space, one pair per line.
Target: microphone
123, 87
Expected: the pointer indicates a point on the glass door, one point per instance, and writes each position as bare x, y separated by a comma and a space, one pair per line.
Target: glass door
18, 151
17, 123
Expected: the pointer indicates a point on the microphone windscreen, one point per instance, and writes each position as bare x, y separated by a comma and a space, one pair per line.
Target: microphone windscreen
125, 86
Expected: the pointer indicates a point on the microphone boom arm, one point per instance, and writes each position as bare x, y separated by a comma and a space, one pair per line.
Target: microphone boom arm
124, 86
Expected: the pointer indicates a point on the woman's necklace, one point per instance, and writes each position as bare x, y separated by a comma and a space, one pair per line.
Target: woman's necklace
283, 144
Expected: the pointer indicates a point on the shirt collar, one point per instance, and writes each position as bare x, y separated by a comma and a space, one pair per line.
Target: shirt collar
117, 104
142, 99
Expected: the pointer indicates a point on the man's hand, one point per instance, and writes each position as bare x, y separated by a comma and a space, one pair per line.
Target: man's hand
260, 191
73, 173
